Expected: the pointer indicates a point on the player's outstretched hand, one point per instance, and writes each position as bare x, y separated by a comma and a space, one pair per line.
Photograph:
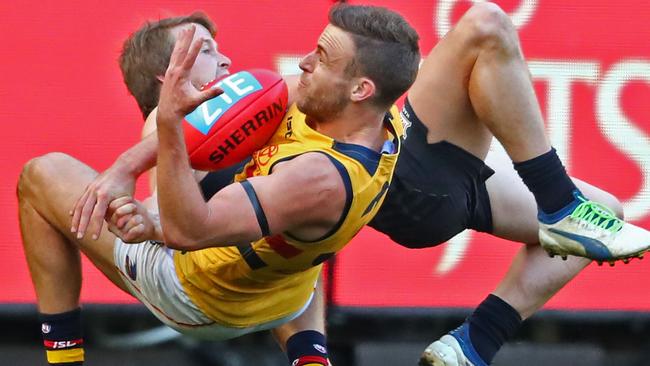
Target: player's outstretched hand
90, 209
178, 96
131, 221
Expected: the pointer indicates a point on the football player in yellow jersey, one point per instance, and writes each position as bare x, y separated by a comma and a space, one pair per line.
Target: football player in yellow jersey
341, 154
456, 127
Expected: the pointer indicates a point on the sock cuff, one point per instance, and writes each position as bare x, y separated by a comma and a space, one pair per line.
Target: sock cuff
493, 300
536, 160
72, 314
65, 326
307, 343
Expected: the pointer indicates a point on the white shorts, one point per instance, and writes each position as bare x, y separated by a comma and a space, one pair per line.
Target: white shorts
148, 270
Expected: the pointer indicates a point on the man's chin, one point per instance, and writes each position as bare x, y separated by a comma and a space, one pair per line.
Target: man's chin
301, 106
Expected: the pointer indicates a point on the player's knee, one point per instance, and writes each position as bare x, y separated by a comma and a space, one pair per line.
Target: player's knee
39, 171
487, 25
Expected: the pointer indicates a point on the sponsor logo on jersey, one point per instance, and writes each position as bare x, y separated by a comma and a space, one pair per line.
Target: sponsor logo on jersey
264, 156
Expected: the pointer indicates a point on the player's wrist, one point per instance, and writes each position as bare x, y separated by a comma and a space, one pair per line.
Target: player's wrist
127, 165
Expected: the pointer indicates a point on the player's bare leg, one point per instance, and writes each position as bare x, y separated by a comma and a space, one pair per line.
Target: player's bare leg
475, 85
47, 190
299, 337
533, 277
480, 69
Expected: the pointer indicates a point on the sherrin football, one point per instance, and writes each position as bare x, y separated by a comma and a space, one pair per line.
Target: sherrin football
230, 127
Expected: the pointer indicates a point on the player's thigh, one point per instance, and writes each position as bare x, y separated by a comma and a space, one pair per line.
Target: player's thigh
51, 184
440, 95
513, 206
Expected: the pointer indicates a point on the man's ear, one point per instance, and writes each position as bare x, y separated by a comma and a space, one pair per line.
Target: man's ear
160, 78
362, 89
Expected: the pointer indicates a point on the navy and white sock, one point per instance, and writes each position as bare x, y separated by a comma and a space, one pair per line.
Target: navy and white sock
63, 338
307, 348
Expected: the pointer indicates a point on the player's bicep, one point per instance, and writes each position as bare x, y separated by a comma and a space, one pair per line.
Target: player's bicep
306, 194
233, 217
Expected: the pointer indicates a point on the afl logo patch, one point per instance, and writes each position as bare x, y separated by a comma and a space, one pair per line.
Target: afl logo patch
46, 328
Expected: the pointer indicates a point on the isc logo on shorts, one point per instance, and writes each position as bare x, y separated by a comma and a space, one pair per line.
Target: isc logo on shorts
235, 88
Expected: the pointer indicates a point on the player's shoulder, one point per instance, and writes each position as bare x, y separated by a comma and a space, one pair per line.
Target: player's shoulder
311, 169
314, 164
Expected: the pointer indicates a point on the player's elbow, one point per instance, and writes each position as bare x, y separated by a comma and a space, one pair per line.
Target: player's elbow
176, 239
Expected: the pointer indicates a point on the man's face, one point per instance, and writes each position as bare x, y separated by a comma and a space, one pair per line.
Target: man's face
325, 85
210, 64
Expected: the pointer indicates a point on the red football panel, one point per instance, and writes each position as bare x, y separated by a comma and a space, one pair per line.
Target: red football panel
194, 137
232, 121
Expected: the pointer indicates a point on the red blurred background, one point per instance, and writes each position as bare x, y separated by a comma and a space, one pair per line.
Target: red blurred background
61, 90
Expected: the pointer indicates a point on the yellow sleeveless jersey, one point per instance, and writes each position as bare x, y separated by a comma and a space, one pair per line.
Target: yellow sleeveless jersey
275, 276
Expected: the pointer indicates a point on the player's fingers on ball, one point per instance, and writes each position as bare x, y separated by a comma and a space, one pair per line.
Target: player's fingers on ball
211, 93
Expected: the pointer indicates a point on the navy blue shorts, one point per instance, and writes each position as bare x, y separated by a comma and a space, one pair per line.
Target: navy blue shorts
438, 190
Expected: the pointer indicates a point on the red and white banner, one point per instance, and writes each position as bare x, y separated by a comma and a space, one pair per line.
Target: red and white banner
61, 90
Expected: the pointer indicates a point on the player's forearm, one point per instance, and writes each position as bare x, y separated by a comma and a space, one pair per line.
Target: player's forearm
157, 232
140, 157
182, 207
